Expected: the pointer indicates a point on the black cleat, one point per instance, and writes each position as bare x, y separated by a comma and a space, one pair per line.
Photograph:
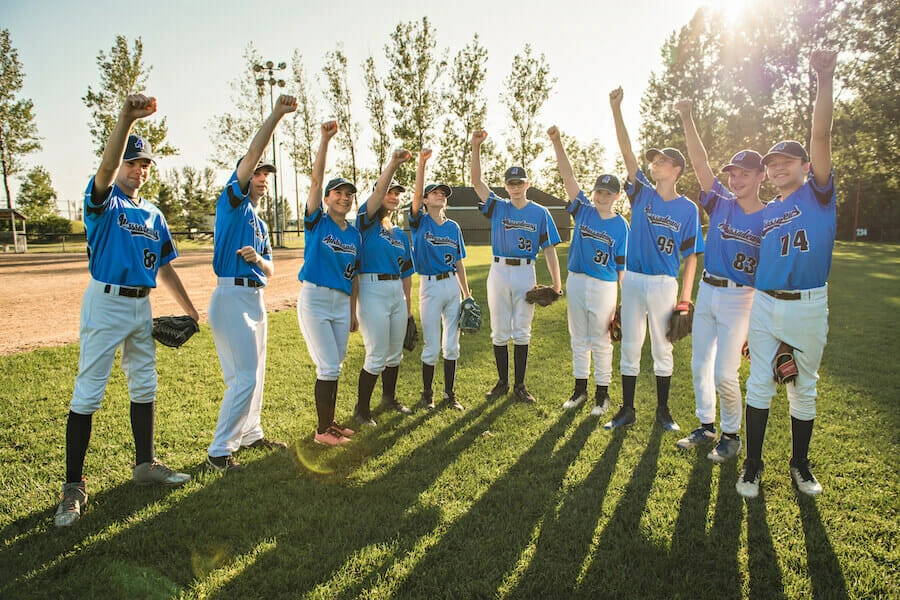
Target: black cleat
452, 402
223, 464
498, 391
392, 404
665, 420
521, 394
427, 401
623, 418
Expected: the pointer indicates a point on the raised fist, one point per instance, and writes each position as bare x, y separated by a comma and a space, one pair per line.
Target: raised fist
823, 61
285, 104
553, 132
615, 97
684, 106
401, 155
425, 154
478, 137
329, 128
138, 106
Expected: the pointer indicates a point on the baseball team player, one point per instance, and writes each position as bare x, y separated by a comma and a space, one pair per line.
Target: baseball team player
129, 245
326, 303
519, 229
596, 269
383, 307
665, 228
791, 302
242, 260
725, 295
438, 253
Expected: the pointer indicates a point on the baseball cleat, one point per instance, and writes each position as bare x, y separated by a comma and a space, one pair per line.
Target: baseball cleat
427, 401
392, 404
363, 419
697, 437
452, 402
331, 437
345, 431
575, 401
803, 478
726, 448
623, 418
155, 472
74, 499
266, 444
601, 405
498, 391
665, 420
223, 464
522, 395
748, 483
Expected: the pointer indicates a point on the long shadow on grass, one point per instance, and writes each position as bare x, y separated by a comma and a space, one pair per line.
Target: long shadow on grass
762, 561
824, 569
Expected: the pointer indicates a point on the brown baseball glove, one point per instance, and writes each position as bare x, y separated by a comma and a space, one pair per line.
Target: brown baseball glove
543, 295
615, 326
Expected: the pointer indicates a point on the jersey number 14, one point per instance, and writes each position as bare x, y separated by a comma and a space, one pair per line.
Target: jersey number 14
800, 242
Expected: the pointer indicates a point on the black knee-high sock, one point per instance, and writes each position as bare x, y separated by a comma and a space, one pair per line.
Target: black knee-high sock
601, 392
801, 434
142, 429
427, 377
628, 383
366, 385
449, 375
520, 361
325, 399
581, 386
662, 390
501, 357
756, 431
78, 434
389, 382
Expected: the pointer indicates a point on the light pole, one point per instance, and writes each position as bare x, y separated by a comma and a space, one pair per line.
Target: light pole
296, 184
268, 68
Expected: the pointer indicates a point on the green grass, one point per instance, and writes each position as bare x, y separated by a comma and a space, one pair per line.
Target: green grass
500, 501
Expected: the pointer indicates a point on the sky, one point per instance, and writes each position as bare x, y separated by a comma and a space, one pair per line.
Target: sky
195, 50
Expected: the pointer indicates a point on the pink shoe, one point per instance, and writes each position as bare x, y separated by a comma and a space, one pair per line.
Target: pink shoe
344, 431
331, 437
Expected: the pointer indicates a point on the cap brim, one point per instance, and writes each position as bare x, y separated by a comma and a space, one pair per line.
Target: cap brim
768, 156
511, 179
268, 168
448, 191
731, 166
598, 188
397, 187
652, 153
348, 185
139, 156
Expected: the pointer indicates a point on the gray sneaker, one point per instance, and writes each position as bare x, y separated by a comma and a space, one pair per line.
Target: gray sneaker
697, 437
74, 499
726, 449
154, 472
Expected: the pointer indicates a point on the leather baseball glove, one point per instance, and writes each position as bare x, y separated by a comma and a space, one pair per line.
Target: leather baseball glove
174, 331
412, 335
469, 316
615, 326
543, 295
680, 322
784, 368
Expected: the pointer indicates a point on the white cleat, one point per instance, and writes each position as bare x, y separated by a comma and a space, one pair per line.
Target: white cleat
804, 479
748, 483
575, 401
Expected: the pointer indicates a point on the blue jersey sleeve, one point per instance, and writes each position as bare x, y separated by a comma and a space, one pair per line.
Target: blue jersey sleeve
824, 194
415, 219
311, 220
462, 243
634, 189
549, 234
621, 249
692, 242
576, 204
719, 194
232, 195
407, 267
167, 252
488, 206
92, 209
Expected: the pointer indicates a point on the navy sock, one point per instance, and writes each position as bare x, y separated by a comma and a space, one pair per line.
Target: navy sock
366, 385
449, 375
520, 360
801, 434
142, 429
325, 402
756, 431
581, 386
628, 384
389, 382
78, 435
427, 377
501, 358
662, 390
601, 392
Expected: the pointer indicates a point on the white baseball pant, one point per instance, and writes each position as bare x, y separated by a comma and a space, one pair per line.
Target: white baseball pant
591, 307
107, 322
511, 316
237, 316
324, 317
721, 320
647, 297
382, 313
439, 304
803, 324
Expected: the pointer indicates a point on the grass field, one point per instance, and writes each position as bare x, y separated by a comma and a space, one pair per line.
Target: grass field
500, 501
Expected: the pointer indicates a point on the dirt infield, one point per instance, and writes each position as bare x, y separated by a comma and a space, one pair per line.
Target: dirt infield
40, 294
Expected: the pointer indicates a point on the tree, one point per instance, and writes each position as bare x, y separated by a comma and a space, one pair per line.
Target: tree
338, 97
303, 125
18, 131
587, 164
527, 88
198, 195
376, 103
37, 198
122, 72
168, 201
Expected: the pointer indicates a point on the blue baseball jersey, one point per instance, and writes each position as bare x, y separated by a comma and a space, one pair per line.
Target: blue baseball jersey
127, 241
798, 238
518, 232
662, 232
238, 225
330, 254
733, 238
383, 250
599, 245
436, 248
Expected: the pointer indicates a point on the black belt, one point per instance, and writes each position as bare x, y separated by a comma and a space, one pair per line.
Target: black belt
718, 282
388, 277
129, 292
784, 295
440, 276
513, 262
247, 282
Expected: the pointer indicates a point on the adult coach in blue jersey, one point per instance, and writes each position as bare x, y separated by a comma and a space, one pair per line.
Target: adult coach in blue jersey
665, 228
519, 229
242, 260
725, 295
129, 245
791, 302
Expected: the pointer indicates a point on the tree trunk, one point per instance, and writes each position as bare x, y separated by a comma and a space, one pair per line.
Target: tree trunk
5, 175
856, 209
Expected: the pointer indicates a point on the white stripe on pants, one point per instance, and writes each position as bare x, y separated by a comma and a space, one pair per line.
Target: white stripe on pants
803, 324
721, 320
511, 316
107, 322
237, 316
382, 313
324, 317
647, 297
591, 306
439, 304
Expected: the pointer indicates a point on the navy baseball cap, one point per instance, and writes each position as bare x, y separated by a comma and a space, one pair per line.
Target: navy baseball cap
394, 184
788, 148
339, 182
745, 159
610, 183
262, 164
137, 148
672, 153
448, 191
515, 174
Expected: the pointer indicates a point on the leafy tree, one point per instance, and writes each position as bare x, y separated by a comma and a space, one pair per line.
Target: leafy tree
37, 198
18, 131
527, 88
587, 164
376, 103
303, 125
338, 97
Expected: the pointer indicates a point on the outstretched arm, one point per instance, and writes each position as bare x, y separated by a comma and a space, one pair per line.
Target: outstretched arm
553, 266
480, 186
823, 62
687, 278
419, 188
314, 200
247, 166
137, 106
562, 161
631, 163
170, 277
463, 279
381, 187
696, 151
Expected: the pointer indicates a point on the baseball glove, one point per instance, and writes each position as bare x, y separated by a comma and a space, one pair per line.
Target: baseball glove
745, 351
615, 326
412, 335
680, 322
174, 331
543, 295
784, 368
469, 316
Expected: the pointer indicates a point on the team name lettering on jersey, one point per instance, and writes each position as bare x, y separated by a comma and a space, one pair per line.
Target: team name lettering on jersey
337, 245
773, 224
600, 236
662, 220
138, 228
256, 231
386, 236
509, 224
727, 232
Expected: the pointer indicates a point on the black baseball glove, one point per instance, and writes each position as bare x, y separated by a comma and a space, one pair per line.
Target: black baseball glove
469, 316
784, 367
174, 331
680, 322
412, 335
